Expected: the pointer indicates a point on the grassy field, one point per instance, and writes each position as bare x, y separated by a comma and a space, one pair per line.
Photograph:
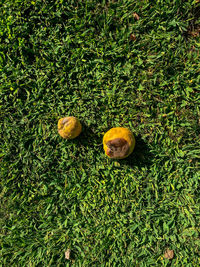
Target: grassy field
110, 63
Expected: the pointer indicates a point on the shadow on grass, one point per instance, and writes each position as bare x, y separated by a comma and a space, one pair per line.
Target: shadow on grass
88, 141
141, 155
88, 136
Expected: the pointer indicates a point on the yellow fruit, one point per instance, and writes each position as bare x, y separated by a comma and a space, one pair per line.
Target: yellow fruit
69, 127
118, 143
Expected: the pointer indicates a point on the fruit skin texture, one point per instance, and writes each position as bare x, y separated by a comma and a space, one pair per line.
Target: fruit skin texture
118, 143
69, 127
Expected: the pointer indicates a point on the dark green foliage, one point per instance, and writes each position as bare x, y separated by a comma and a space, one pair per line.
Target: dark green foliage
77, 58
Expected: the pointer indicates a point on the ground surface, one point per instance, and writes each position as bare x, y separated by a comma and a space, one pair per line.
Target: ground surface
99, 61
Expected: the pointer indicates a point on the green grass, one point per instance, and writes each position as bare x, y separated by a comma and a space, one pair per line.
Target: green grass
76, 58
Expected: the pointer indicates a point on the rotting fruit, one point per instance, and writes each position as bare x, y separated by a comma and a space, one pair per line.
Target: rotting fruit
69, 127
118, 143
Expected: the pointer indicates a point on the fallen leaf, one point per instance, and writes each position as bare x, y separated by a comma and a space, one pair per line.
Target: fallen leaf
169, 254
67, 254
132, 37
195, 32
135, 15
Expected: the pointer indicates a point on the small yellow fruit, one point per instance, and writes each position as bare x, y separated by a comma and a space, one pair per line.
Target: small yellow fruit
118, 143
69, 127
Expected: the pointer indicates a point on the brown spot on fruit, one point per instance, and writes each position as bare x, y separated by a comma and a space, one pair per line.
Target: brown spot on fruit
117, 148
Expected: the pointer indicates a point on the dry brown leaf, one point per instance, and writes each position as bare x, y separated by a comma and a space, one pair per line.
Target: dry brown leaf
67, 254
132, 37
195, 32
169, 254
135, 15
